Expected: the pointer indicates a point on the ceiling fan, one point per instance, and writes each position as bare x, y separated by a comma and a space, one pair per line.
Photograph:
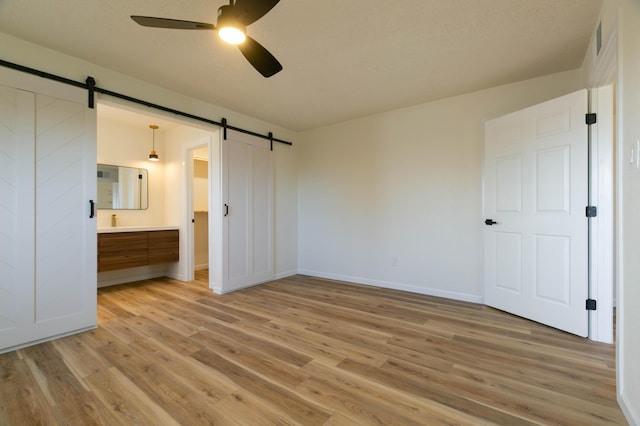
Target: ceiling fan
233, 20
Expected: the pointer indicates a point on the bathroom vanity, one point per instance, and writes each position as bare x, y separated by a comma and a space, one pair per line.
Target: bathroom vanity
130, 247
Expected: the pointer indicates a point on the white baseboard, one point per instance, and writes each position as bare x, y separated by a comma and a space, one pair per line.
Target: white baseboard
201, 267
397, 286
630, 412
285, 274
218, 290
47, 339
174, 276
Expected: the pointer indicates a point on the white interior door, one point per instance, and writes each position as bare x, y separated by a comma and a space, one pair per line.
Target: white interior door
536, 190
65, 161
247, 193
47, 177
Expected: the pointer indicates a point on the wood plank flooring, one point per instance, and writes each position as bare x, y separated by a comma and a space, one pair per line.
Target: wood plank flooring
306, 351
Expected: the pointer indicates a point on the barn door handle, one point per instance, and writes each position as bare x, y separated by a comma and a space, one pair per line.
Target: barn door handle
490, 222
92, 209
226, 210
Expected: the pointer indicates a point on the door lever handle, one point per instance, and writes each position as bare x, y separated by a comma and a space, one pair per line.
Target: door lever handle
490, 222
226, 210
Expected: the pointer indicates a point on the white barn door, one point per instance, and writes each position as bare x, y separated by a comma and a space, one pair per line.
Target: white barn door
536, 231
47, 239
247, 194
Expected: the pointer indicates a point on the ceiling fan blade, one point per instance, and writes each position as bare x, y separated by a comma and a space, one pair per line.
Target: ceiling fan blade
176, 24
263, 61
249, 11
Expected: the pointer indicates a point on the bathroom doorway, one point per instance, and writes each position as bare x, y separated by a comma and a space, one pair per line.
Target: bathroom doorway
200, 219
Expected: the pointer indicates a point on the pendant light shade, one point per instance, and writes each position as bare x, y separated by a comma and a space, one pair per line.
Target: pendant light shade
153, 156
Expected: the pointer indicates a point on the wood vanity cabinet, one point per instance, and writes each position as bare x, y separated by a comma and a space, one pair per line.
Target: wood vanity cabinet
121, 250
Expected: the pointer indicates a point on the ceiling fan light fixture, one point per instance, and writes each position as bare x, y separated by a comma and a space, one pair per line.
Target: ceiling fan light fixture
231, 35
230, 29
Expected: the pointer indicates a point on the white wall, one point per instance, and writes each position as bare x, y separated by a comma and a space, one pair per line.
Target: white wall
629, 204
599, 67
395, 199
200, 186
125, 144
286, 209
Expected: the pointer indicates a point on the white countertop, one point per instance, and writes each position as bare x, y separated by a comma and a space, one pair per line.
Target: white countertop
135, 229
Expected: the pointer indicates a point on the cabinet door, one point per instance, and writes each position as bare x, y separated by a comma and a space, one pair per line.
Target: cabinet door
164, 247
49, 238
122, 250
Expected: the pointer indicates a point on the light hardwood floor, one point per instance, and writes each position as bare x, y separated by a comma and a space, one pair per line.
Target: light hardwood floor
306, 351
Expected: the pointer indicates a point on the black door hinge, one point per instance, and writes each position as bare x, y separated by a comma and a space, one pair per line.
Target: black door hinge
591, 211
591, 305
590, 118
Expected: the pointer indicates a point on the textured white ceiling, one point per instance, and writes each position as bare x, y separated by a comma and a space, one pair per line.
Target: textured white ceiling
342, 58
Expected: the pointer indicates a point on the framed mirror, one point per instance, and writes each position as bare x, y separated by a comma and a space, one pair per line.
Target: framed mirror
122, 188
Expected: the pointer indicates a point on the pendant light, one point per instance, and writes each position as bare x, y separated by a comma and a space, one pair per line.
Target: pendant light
153, 156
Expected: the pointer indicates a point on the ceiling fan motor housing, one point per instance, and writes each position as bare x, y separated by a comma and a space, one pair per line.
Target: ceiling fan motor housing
227, 18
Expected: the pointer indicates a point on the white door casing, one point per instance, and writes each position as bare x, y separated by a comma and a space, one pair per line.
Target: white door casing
601, 231
48, 255
247, 194
536, 186
190, 193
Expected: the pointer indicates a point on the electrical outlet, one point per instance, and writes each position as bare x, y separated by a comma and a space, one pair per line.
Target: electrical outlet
394, 261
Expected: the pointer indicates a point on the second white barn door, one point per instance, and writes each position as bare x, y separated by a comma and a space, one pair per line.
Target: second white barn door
536, 232
247, 194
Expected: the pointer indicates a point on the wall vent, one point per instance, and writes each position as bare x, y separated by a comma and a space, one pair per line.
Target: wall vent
599, 38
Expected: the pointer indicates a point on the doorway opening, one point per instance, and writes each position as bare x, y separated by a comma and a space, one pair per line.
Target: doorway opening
200, 188
222, 207
124, 140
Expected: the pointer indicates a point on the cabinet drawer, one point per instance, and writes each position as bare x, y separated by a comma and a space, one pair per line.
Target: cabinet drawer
122, 250
164, 247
